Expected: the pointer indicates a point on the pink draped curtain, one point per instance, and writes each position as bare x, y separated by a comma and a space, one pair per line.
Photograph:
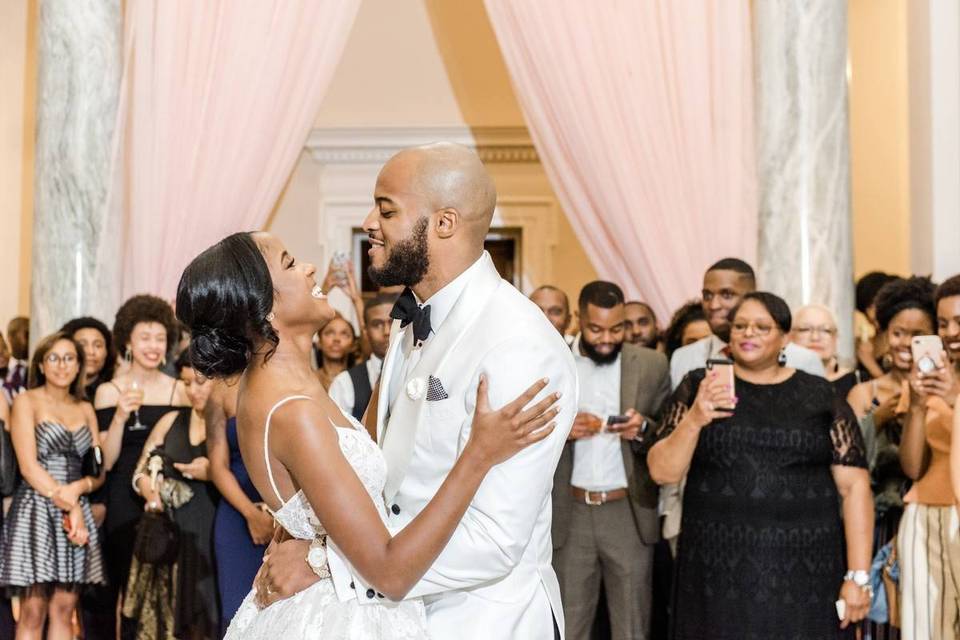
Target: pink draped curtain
217, 100
642, 114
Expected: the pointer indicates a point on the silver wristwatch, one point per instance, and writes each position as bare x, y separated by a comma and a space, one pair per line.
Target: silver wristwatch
860, 578
317, 557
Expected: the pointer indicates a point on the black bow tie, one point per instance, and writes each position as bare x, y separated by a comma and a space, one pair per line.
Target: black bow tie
407, 311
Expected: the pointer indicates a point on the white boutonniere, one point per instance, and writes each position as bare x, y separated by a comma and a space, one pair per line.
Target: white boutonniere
415, 388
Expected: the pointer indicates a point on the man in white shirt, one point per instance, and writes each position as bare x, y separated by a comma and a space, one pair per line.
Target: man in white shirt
724, 285
604, 503
352, 389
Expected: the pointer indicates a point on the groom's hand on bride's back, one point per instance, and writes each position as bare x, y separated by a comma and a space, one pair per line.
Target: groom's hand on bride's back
497, 435
284, 571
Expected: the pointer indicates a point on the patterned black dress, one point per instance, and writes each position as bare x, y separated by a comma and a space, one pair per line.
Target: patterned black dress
36, 552
761, 549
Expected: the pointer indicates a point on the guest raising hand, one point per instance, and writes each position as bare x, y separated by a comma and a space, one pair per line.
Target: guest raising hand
127, 409
927, 544
769, 451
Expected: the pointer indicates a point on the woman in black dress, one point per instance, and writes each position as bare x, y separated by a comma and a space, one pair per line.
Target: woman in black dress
763, 552
181, 599
127, 409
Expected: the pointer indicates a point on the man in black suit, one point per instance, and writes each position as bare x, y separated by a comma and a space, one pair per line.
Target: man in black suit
605, 521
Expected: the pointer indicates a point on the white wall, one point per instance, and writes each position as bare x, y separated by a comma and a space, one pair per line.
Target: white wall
934, 29
18, 22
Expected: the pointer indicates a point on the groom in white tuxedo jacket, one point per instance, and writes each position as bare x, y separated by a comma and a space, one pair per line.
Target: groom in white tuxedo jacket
494, 579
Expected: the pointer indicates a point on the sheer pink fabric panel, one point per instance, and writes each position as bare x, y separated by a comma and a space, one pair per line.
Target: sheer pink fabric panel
217, 101
642, 113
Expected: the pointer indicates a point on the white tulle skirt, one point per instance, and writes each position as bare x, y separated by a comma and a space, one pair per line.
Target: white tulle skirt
316, 614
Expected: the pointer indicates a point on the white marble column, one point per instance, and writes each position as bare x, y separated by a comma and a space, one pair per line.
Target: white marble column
75, 247
805, 248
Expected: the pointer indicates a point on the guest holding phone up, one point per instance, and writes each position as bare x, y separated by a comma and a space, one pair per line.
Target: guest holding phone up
605, 521
928, 546
763, 551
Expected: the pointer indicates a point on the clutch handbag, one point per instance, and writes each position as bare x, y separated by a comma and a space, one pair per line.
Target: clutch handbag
92, 463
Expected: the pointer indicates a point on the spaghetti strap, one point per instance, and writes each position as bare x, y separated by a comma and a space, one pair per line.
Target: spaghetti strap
174, 391
266, 449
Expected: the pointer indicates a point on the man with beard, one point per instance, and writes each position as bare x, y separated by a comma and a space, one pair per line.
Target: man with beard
604, 503
640, 324
455, 321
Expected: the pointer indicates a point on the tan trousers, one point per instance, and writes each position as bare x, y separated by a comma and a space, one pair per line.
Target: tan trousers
928, 548
604, 545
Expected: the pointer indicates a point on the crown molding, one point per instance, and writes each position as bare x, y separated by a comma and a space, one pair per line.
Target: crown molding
375, 145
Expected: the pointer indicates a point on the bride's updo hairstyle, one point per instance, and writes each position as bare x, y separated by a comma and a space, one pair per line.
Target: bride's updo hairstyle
224, 297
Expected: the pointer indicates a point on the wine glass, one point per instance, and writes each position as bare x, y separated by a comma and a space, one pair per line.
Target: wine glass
137, 425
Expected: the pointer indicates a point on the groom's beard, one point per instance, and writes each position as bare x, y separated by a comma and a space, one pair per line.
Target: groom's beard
408, 262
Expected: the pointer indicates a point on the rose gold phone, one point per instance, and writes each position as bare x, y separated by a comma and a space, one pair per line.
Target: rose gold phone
724, 370
927, 352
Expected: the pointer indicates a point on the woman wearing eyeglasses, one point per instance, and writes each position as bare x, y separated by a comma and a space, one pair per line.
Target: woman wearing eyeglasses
763, 551
50, 548
815, 328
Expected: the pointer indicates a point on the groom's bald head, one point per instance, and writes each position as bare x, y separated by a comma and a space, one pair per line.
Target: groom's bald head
450, 176
433, 208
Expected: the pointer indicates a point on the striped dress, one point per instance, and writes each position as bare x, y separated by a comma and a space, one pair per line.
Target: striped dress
35, 549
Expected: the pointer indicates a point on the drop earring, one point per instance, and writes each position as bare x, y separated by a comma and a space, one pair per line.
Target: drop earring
128, 356
782, 358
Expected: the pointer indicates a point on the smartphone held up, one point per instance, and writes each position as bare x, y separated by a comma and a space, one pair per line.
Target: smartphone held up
723, 368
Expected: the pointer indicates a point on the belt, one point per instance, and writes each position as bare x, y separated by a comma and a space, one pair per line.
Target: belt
595, 498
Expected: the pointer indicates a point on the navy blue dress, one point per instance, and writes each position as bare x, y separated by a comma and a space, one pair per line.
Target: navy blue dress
238, 558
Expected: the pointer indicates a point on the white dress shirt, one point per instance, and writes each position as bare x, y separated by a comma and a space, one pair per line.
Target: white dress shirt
341, 389
695, 356
598, 459
440, 305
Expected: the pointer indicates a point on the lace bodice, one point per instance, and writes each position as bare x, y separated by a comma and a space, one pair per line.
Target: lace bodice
295, 514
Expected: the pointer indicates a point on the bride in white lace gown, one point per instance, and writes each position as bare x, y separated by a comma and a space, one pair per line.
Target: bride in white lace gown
252, 310
315, 612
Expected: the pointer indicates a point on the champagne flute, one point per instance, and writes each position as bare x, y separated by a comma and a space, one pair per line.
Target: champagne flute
137, 425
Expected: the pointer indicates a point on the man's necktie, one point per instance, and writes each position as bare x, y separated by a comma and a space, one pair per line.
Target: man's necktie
407, 311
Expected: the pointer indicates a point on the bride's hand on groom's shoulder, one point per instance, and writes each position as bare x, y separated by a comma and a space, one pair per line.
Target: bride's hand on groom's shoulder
498, 435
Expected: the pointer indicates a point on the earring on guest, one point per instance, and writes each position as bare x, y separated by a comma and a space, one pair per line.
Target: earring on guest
782, 358
271, 317
128, 356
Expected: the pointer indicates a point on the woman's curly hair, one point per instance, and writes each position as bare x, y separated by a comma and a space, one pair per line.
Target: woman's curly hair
143, 308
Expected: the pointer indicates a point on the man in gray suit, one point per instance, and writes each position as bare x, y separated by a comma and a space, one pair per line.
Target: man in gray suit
605, 521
